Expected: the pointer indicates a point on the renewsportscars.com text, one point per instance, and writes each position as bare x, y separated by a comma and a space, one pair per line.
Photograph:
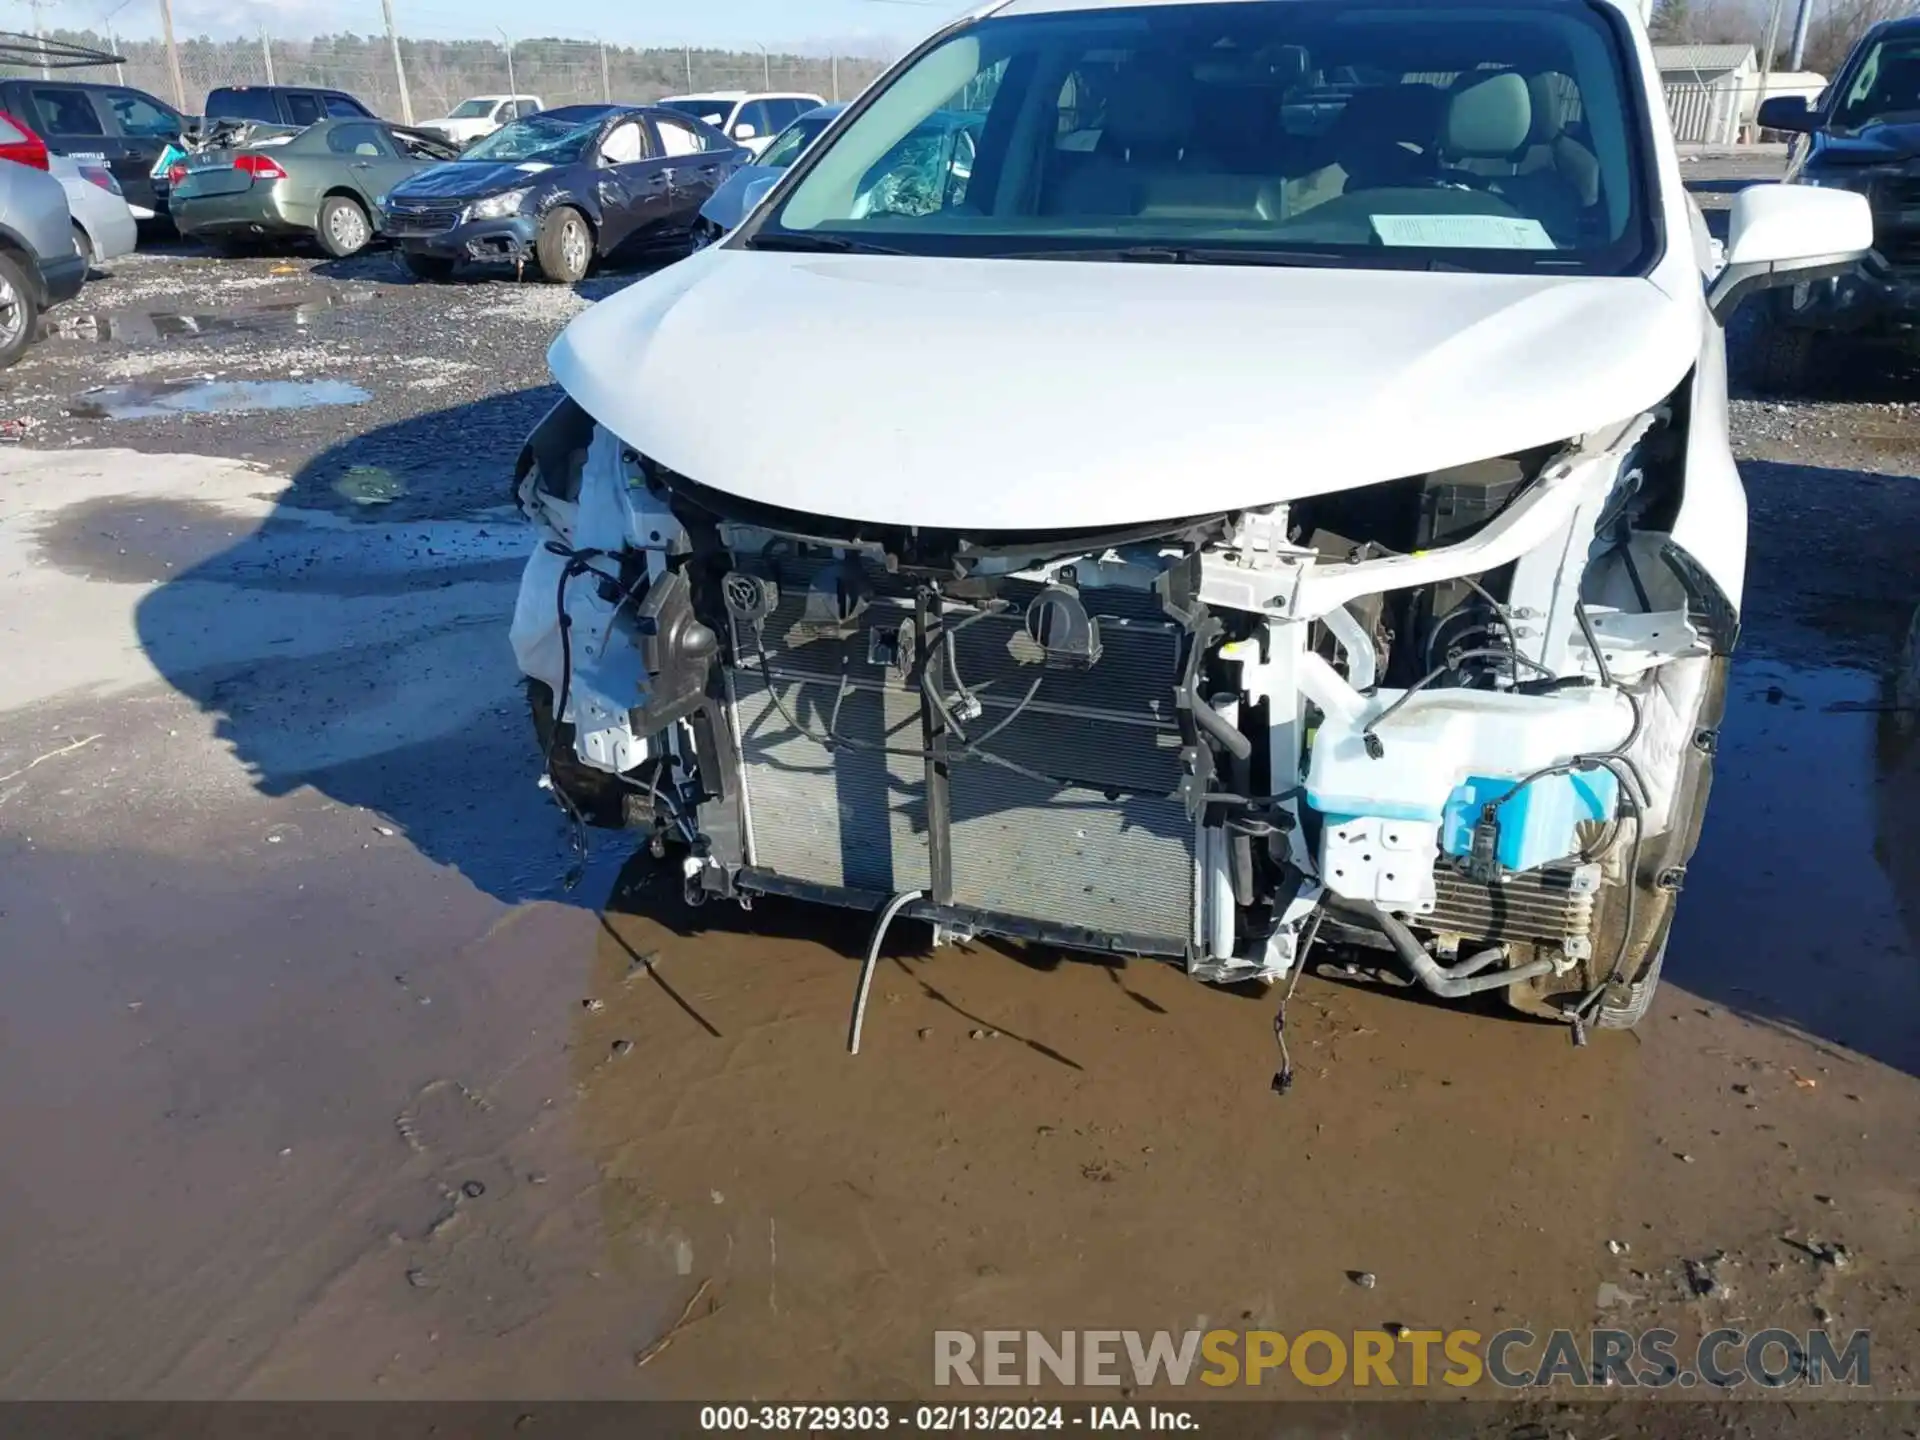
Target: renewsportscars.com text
1511, 1359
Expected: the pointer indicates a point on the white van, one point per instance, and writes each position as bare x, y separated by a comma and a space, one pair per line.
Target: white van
1278, 497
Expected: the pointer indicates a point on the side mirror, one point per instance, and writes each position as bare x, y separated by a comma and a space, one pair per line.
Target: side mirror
744, 131
1786, 112
1785, 234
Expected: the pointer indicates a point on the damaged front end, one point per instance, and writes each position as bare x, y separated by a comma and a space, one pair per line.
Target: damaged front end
1462, 721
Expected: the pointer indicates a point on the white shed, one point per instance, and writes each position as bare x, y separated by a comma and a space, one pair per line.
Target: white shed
1710, 89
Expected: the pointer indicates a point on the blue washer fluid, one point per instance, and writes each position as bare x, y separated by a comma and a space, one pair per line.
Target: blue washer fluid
1538, 825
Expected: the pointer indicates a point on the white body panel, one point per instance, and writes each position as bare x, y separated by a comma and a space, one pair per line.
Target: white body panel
1076, 394
105, 216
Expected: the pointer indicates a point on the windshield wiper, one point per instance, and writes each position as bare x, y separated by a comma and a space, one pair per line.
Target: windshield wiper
1186, 255
816, 244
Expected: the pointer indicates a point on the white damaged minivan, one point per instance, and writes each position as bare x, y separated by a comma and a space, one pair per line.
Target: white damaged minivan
1274, 496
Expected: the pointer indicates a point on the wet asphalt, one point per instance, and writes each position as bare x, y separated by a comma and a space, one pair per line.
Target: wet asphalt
336, 1073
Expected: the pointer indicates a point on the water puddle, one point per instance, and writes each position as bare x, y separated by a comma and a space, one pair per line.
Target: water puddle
154, 399
369, 485
1801, 905
152, 327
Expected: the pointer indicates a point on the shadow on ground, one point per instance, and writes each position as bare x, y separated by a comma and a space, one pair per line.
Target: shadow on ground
355, 642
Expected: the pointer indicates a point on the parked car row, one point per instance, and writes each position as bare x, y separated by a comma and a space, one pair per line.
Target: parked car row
42, 261
500, 179
556, 189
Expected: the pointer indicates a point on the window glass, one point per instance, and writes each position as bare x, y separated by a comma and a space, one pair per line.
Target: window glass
793, 140
625, 144
679, 139
551, 138
712, 112
471, 109
368, 140
66, 112
302, 108
345, 107
1886, 87
141, 115
227, 103
1490, 134
782, 113
753, 113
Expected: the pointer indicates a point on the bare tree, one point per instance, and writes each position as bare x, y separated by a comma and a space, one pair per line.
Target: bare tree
1837, 30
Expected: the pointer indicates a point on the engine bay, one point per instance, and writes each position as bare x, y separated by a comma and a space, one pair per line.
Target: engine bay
1445, 718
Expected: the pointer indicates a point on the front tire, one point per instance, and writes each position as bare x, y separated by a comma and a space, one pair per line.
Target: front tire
1662, 871
565, 246
1625, 1005
19, 311
342, 227
598, 798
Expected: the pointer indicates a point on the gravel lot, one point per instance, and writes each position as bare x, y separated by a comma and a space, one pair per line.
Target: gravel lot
337, 1088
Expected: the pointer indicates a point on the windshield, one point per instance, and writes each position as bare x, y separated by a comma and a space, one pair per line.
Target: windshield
713, 112
792, 140
538, 137
472, 109
1460, 133
1885, 87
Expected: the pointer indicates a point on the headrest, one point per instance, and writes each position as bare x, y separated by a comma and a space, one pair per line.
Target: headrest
1490, 118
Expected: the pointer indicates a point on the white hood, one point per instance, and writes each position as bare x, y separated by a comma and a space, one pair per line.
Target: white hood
1041, 395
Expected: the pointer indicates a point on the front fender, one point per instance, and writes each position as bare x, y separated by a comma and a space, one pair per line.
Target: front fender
1711, 524
580, 197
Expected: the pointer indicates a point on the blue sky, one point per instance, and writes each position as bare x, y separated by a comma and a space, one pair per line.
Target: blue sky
885, 24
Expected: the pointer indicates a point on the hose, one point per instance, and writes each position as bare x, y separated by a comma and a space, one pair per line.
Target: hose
1449, 983
893, 908
1220, 728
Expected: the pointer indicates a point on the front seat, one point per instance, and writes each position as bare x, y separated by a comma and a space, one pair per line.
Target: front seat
1149, 130
1487, 120
1557, 175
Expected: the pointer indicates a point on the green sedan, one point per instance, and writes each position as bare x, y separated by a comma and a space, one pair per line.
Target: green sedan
259, 182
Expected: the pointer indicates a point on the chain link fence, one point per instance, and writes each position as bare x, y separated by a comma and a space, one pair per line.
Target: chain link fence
441, 73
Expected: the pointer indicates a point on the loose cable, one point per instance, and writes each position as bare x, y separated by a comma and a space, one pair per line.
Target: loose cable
892, 908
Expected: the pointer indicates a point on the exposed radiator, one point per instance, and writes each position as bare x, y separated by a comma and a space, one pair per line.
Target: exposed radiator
1111, 852
1554, 905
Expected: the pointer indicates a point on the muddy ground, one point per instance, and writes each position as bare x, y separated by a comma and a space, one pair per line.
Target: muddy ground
323, 1082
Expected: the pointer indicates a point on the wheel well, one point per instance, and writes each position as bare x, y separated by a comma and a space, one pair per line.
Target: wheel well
343, 193
593, 221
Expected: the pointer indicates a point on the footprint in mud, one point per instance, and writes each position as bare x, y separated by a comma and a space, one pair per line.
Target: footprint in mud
445, 1117
476, 1226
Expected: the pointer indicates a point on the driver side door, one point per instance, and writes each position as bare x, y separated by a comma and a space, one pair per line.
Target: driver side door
632, 187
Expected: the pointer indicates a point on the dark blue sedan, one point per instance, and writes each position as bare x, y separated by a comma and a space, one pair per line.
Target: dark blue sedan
563, 189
